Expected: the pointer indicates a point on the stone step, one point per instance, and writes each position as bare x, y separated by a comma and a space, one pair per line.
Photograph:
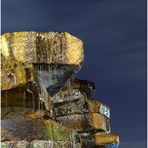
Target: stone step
32, 126
86, 87
100, 140
85, 122
18, 97
104, 139
74, 89
81, 106
67, 95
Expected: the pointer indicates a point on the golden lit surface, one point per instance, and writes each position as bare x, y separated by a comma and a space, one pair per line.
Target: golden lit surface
22, 49
41, 94
75, 52
53, 47
102, 139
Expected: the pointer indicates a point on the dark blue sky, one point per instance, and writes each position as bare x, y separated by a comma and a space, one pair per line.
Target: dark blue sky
114, 35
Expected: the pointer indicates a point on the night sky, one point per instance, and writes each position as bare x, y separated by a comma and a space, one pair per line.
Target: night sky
114, 35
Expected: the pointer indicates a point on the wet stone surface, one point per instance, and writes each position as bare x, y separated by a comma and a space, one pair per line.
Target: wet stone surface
43, 104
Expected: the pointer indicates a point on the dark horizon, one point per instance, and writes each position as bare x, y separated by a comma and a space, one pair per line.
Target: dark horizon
115, 41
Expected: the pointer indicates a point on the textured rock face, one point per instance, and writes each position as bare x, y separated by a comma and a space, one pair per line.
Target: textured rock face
39, 47
33, 126
43, 104
46, 59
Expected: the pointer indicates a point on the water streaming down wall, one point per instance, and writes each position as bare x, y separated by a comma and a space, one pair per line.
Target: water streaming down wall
71, 108
43, 104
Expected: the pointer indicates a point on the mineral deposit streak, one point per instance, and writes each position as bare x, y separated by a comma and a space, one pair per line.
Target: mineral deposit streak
43, 103
6, 98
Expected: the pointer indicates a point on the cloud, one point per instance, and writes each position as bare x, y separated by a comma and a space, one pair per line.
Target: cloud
134, 144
